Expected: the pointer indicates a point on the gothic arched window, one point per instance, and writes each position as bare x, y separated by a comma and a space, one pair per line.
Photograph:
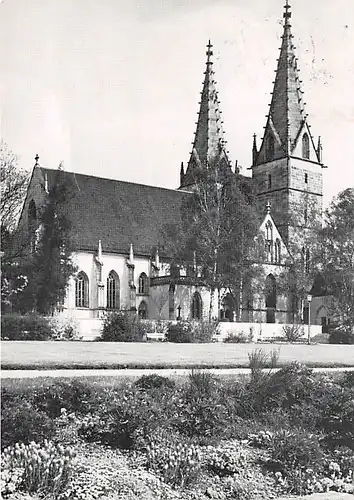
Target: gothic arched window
307, 261
81, 290
113, 291
269, 231
143, 310
305, 146
197, 306
271, 298
143, 284
277, 251
32, 224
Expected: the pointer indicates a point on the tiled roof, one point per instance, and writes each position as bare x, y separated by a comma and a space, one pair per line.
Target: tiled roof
118, 213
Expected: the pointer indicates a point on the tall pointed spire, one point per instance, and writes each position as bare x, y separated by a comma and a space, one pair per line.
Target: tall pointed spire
286, 116
209, 144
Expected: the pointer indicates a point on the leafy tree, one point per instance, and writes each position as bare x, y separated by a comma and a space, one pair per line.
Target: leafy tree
216, 234
49, 267
13, 182
13, 185
337, 243
301, 264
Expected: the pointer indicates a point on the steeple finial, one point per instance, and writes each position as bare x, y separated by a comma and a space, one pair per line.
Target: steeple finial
268, 206
209, 53
36, 159
287, 13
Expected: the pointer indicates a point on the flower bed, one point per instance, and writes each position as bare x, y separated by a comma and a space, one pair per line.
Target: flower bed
285, 433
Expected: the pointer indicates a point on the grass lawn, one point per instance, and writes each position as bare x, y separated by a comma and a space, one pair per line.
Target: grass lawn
49, 355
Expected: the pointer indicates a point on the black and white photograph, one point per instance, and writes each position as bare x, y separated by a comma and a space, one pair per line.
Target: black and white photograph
177, 249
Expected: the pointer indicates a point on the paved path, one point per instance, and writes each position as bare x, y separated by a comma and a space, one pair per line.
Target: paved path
133, 373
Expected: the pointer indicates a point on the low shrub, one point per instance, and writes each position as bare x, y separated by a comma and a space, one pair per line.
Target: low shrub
74, 395
180, 332
25, 327
123, 420
237, 338
178, 462
192, 332
339, 334
294, 450
292, 333
154, 381
123, 326
64, 328
22, 422
45, 468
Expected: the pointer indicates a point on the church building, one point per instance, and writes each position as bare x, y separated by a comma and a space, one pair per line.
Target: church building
116, 225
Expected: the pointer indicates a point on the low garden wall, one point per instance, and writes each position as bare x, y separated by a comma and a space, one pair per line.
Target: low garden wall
90, 328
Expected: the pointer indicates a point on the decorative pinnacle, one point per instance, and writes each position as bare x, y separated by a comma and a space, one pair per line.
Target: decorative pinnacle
209, 53
287, 13
268, 207
36, 158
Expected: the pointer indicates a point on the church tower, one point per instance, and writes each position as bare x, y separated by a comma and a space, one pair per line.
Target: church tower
209, 147
287, 168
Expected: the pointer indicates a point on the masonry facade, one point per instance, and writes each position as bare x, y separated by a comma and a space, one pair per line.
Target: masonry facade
117, 226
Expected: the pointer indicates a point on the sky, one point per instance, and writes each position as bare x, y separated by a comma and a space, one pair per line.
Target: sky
111, 87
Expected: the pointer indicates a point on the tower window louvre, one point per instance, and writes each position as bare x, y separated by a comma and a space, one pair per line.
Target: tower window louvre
305, 146
269, 181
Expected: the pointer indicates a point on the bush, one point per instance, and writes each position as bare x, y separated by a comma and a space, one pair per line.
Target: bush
237, 338
192, 331
200, 409
73, 395
294, 450
154, 381
22, 422
292, 333
122, 326
64, 328
45, 468
338, 334
180, 332
123, 420
27, 327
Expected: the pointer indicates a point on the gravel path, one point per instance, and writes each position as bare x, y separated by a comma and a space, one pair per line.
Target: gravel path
135, 373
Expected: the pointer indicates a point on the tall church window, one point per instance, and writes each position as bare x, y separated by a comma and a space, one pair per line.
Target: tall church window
197, 306
306, 178
81, 290
277, 249
271, 298
305, 146
113, 291
270, 148
269, 231
32, 225
143, 310
143, 284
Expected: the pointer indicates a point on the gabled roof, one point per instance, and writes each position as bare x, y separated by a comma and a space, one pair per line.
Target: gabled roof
209, 144
286, 115
117, 213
